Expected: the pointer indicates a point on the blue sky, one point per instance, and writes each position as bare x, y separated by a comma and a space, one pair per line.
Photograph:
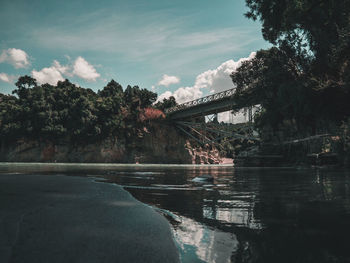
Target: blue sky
168, 46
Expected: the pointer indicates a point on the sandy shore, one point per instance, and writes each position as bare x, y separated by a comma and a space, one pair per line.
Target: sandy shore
72, 219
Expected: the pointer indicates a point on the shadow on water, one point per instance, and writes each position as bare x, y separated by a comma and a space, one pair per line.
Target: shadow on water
240, 215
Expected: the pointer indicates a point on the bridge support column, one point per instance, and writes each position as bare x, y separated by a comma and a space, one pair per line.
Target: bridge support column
250, 114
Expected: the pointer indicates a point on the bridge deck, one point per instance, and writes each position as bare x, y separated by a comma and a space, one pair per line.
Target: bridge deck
215, 103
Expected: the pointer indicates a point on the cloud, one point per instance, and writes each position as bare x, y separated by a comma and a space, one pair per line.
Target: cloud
219, 79
60, 68
184, 94
157, 39
49, 75
168, 80
84, 70
164, 95
57, 72
16, 57
214, 80
7, 78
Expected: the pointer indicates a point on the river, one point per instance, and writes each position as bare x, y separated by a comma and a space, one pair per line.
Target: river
243, 214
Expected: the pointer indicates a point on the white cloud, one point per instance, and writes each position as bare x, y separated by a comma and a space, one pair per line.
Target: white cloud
185, 94
57, 72
49, 75
168, 80
214, 80
219, 79
164, 95
52, 74
84, 70
182, 94
16, 57
7, 78
157, 39
60, 68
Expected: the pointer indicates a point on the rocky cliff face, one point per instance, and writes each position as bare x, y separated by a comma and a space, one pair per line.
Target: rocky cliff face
156, 143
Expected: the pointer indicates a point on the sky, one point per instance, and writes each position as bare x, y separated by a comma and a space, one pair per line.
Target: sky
180, 48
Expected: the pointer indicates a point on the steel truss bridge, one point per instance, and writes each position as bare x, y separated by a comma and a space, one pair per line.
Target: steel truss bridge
198, 119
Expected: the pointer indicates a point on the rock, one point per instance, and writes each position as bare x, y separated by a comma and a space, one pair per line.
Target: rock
159, 143
211, 161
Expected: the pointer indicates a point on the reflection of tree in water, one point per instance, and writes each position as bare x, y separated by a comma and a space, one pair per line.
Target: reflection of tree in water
303, 221
277, 215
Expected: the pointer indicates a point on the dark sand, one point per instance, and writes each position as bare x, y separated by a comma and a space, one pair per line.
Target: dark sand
72, 219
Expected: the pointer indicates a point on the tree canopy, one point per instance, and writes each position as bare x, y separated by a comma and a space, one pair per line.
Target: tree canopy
304, 77
166, 103
68, 111
317, 29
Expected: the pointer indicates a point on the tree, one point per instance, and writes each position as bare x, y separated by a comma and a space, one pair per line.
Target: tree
23, 84
142, 98
304, 78
317, 25
272, 81
316, 33
112, 89
166, 103
110, 106
147, 98
10, 124
66, 111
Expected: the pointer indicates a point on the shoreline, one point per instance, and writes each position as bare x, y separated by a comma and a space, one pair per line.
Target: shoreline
114, 164
107, 166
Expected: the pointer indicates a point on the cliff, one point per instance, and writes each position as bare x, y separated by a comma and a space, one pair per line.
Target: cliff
154, 143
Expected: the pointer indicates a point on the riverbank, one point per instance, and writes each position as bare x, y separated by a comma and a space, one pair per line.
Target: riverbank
52, 218
157, 143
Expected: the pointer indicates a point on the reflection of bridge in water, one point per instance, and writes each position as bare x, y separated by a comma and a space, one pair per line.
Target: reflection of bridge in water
192, 118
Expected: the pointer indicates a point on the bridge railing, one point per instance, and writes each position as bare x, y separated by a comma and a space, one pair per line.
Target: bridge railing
192, 103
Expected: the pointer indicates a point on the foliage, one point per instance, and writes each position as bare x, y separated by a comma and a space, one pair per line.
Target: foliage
110, 107
304, 78
345, 141
312, 28
151, 114
139, 97
272, 81
69, 111
166, 103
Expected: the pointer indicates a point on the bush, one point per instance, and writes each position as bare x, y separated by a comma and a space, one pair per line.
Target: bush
151, 114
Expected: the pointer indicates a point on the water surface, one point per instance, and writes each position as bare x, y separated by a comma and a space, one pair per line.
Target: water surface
243, 215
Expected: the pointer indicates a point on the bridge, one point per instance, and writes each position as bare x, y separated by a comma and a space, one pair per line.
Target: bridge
212, 104
189, 117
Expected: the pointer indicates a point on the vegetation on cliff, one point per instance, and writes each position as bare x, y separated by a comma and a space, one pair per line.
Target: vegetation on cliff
69, 111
